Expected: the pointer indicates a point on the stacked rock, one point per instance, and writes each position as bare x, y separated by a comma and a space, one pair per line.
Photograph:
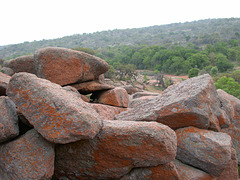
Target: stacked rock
47, 130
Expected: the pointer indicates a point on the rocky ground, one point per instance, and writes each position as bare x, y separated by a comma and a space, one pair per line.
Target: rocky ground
60, 119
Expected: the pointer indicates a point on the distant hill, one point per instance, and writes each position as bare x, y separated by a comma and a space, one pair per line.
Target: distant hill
198, 33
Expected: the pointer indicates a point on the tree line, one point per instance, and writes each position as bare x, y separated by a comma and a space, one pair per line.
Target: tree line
218, 57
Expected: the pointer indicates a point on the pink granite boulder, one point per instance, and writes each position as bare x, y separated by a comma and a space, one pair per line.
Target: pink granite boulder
59, 115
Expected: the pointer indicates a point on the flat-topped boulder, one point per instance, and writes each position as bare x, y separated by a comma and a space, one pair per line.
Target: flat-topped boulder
8, 119
206, 150
65, 66
119, 146
91, 86
28, 157
59, 115
21, 64
193, 102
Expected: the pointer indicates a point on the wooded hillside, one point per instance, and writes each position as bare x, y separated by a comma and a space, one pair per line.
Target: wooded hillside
197, 33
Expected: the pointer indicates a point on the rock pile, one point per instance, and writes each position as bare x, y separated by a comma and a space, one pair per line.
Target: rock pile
47, 130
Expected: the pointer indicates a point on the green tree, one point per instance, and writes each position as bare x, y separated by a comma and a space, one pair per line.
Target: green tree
233, 54
222, 63
193, 72
236, 75
111, 73
127, 71
214, 71
199, 60
229, 85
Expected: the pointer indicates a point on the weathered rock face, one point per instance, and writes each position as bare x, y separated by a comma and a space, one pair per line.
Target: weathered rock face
7, 71
115, 97
231, 170
57, 114
91, 86
193, 102
133, 103
130, 89
107, 112
21, 64
120, 146
141, 94
8, 119
65, 66
189, 173
162, 172
4, 80
204, 149
28, 157
231, 105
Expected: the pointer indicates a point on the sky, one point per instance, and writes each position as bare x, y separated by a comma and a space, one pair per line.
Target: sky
29, 20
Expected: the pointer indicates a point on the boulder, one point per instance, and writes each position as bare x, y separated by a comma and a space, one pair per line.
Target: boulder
8, 119
57, 114
107, 112
114, 97
231, 105
7, 71
206, 150
192, 102
162, 172
91, 86
131, 90
21, 64
231, 171
145, 93
187, 172
64, 66
28, 157
120, 146
133, 103
4, 80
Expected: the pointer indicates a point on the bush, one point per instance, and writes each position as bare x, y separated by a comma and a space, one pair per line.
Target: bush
229, 85
193, 72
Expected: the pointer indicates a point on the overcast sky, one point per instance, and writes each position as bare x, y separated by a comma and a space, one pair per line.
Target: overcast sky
29, 20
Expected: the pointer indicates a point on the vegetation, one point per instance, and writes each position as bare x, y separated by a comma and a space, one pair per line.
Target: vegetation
229, 85
195, 35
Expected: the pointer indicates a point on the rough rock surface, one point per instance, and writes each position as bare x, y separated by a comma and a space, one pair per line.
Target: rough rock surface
130, 89
91, 86
7, 71
65, 66
231, 171
187, 172
133, 103
120, 146
192, 102
28, 157
21, 64
231, 105
161, 172
141, 94
204, 149
4, 80
8, 119
57, 114
107, 112
115, 97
